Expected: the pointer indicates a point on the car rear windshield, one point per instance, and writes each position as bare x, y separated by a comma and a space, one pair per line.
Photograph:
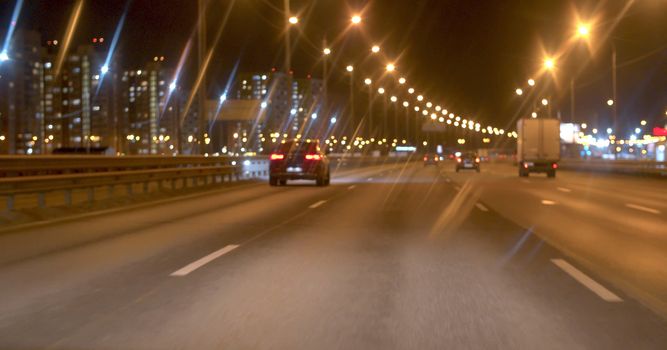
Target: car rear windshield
299, 147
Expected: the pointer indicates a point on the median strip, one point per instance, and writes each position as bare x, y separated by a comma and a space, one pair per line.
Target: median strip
203, 261
588, 282
642, 208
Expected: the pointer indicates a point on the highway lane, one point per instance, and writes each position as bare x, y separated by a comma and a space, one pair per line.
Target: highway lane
615, 225
387, 257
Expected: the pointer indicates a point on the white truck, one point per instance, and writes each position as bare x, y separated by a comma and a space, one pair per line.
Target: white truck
538, 146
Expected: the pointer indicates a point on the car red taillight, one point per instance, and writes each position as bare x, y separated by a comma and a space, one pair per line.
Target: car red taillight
425, 158
554, 166
476, 160
458, 160
276, 156
313, 157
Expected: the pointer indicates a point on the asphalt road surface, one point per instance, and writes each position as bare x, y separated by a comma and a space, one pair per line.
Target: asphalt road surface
399, 256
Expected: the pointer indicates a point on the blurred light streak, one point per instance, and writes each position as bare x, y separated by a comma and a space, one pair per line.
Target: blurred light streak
516, 247
69, 33
114, 42
456, 212
12, 26
207, 61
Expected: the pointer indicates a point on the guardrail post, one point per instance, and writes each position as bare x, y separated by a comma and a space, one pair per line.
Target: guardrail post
41, 200
10, 202
91, 195
68, 198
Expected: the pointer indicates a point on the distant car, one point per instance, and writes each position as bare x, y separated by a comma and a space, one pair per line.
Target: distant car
467, 160
299, 161
431, 159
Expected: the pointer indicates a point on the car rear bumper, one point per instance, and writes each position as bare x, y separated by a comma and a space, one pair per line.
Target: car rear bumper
295, 176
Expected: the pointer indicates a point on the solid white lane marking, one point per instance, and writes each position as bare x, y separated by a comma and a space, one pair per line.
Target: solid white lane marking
351, 187
481, 207
588, 282
642, 208
203, 261
548, 202
563, 189
313, 206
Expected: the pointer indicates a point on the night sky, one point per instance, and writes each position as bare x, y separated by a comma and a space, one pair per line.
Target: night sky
468, 55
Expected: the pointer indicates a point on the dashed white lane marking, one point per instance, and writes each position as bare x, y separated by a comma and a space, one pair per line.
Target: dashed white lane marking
351, 187
203, 261
525, 181
313, 206
481, 207
548, 202
370, 179
563, 189
588, 282
642, 208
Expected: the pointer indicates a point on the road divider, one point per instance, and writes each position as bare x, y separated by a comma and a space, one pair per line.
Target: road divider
588, 282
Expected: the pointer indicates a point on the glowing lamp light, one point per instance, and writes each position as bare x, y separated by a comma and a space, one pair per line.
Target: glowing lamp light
368, 81
172, 86
519, 92
4, 56
104, 69
531, 82
349, 68
375, 49
293, 20
402, 81
223, 98
356, 19
391, 67
327, 51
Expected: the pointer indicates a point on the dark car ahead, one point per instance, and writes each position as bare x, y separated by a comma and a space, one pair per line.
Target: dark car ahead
294, 160
431, 159
467, 160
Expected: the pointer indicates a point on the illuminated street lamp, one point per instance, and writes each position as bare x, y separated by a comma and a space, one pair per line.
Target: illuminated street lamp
401, 81
549, 63
381, 91
610, 102
356, 19
375, 49
583, 30
327, 51
4, 56
545, 102
420, 98
531, 82
412, 91
519, 92
293, 20
349, 68
368, 81
104, 69
391, 67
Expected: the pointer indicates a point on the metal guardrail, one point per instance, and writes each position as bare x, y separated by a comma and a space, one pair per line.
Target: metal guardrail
73, 174
635, 167
11, 166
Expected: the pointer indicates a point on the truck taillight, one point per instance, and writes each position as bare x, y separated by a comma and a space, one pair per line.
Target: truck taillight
277, 156
313, 157
554, 166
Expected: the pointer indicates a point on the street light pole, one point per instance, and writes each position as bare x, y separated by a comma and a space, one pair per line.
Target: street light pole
614, 92
325, 76
202, 86
572, 105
